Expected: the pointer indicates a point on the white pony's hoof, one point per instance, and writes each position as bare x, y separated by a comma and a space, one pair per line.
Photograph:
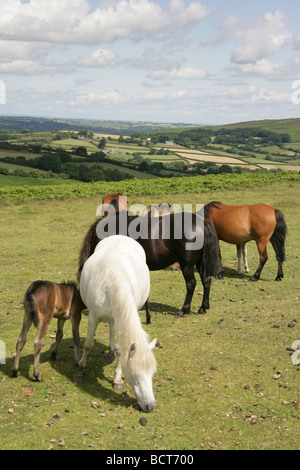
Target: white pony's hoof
118, 386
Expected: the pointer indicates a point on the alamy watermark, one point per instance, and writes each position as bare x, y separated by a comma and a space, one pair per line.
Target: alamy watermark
2, 92
2, 353
296, 93
183, 224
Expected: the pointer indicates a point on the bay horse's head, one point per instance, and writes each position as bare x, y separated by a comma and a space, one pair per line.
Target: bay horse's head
118, 201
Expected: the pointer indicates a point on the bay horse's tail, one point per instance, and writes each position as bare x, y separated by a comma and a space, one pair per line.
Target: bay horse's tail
210, 249
31, 308
279, 235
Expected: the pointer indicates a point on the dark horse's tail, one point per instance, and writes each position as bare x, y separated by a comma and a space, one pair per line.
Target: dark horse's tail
210, 249
279, 235
31, 307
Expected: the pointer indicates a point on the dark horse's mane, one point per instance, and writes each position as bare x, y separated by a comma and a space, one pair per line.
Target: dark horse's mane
88, 245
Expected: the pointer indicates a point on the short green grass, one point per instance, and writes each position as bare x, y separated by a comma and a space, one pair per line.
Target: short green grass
214, 385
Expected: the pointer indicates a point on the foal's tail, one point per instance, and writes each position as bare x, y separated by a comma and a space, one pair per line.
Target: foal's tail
211, 252
31, 308
279, 235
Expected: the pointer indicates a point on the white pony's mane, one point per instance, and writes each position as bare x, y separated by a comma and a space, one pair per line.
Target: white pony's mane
126, 319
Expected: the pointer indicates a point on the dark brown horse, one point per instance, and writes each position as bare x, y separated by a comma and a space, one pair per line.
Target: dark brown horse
157, 210
44, 300
240, 224
162, 251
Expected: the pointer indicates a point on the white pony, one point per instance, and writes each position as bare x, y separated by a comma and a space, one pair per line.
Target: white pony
114, 285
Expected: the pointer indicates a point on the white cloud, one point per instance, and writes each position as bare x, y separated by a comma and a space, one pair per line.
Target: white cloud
49, 22
253, 94
187, 73
225, 32
99, 58
11, 50
110, 97
261, 67
163, 95
31, 67
261, 38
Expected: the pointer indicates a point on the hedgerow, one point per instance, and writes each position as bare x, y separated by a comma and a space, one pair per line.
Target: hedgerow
146, 187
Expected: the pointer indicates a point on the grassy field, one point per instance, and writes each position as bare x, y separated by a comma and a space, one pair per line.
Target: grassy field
224, 380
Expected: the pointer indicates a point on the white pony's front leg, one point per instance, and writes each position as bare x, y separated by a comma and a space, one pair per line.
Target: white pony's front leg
118, 382
89, 342
111, 353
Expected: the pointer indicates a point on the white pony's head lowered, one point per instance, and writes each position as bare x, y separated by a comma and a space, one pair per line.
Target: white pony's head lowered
139, 368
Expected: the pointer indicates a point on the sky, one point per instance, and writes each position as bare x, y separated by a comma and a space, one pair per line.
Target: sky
179, 61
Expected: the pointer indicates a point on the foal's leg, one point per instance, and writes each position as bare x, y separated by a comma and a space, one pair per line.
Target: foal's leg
59, 335
38, 344
20, 343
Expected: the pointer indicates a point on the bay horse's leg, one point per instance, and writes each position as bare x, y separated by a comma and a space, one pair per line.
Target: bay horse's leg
239, 257
206, 282
20, 344
38, 345
190, 282
263, 257
75, 320
59, 335
279, 276
241, 250
244, 250
221, 268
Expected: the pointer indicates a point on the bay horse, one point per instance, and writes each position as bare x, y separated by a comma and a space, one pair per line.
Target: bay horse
118, 201
162, 251
240, 224
114, 285
44, 300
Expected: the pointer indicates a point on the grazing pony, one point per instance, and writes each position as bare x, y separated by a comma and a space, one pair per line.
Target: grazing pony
44, 300
162, 251
240, 224
114, 285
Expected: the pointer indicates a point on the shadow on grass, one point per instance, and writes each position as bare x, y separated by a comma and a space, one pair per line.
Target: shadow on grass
97, 382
